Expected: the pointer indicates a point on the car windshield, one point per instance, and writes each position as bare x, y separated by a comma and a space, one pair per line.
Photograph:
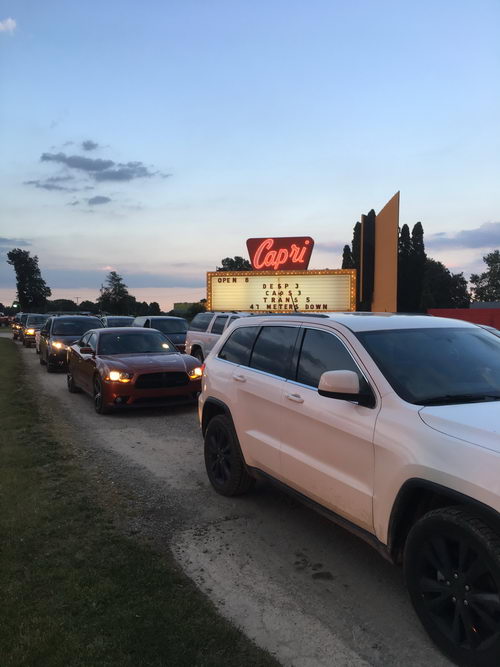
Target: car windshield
36, 319
75, 327
169, 326
140, 342
119, 321
438, 366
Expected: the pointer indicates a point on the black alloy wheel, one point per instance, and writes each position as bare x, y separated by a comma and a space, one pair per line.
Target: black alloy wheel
224, 462
99, 406
452, 570
51, 368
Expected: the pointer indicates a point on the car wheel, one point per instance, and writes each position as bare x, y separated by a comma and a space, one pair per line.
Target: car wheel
99, 406
72, 387
41, 360
452, 571
224, 462
198, 354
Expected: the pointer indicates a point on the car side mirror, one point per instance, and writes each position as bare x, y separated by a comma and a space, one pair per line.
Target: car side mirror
344, 386
86, 350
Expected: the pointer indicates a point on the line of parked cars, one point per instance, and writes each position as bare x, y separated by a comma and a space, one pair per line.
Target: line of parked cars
387, 424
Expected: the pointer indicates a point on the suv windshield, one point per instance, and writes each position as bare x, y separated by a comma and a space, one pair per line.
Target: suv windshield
169, 326
142, 342
64, 327
438, 366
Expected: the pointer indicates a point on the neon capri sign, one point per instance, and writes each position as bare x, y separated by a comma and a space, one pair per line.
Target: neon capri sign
287, 253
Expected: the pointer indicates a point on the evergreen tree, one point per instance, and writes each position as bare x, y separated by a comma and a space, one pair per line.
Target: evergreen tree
356, 257
154, 308
404, 270
32, 290
418, 262
114, 297
347, 260
486, 287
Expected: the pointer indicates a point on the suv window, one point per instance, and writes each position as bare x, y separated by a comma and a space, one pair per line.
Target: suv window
238, 346
271, 352
218, 325
322, 351
200, 322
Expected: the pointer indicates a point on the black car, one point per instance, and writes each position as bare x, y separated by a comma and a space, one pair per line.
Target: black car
117, 320
175, 328
58, 333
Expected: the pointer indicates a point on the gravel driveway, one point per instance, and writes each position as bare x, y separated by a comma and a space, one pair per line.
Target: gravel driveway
302, 588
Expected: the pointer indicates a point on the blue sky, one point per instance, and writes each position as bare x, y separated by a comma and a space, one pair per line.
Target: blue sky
216, 121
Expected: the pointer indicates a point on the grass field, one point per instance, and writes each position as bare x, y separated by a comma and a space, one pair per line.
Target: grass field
74, 591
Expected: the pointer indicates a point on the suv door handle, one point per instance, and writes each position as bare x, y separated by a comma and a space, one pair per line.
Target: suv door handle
296, 398
239, 378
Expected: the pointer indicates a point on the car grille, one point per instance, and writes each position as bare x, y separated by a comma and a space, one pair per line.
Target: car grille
161, 380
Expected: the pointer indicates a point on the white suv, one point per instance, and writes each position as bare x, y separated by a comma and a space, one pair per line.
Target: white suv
388, 424
206, 329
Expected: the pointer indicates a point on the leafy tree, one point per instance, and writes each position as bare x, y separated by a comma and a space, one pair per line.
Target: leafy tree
32, 291
347, 260
196, 308
486, 287
235, 264
443, 289
154, 308
114, 297
62, 304
88, 306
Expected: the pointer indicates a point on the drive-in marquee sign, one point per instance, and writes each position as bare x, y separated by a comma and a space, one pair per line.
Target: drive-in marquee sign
282, 291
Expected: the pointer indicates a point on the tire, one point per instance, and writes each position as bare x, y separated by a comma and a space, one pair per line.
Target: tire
198, 354
41, 360
24, 343
224, 461
72, 387
98, 404
452, 571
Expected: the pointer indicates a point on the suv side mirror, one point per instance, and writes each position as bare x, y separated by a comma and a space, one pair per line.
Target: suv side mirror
344, 385
86, 350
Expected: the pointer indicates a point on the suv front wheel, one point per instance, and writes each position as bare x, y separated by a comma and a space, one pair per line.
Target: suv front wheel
452, 570
224, 462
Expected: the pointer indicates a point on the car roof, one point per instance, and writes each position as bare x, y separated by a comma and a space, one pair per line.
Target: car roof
128, 330
361, 321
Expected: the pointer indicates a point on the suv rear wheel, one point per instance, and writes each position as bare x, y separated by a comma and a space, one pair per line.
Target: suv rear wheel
452, 570
224, 462
198, 354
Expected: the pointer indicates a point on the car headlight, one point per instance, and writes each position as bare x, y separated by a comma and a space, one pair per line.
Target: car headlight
195, 373
30, 332
58, 345
119, 376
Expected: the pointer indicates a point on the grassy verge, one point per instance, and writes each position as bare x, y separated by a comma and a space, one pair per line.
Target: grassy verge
74, 591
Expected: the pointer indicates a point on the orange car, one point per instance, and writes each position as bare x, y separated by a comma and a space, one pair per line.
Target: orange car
126, 367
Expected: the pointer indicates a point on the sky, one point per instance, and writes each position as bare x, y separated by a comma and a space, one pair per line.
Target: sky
154, 138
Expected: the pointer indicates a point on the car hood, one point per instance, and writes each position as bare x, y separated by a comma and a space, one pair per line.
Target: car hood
149, 363
478, 423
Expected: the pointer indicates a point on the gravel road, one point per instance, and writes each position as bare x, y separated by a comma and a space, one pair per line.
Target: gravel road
306, 590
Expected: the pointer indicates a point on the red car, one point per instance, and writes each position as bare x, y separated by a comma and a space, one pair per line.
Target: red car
126, 367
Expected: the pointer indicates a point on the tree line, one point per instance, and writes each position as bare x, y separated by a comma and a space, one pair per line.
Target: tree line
424, 282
